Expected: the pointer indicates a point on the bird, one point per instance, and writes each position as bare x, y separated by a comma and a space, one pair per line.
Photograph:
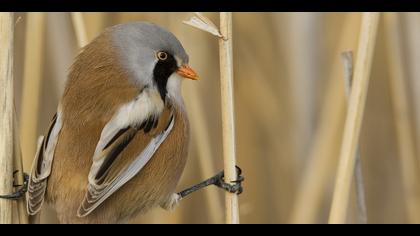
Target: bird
118, 143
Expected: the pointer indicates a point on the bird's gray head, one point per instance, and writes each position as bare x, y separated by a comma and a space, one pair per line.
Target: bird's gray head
153, 55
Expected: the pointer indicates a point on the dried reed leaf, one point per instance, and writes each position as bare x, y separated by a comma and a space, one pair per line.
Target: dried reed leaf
203, 23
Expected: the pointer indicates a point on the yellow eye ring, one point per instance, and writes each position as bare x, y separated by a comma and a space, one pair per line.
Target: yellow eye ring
162, 56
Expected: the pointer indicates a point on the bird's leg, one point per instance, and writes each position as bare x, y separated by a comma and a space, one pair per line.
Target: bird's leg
20, 192
218, 180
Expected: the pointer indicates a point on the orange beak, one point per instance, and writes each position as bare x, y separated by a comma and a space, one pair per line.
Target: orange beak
186, 72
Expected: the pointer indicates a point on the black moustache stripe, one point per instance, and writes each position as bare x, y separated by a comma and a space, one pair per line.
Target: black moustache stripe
163, 69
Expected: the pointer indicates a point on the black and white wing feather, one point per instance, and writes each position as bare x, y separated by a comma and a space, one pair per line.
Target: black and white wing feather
41, 167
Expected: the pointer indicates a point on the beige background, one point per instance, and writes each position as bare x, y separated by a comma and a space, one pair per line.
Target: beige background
290, 109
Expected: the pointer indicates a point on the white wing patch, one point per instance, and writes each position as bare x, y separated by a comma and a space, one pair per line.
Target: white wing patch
147, 103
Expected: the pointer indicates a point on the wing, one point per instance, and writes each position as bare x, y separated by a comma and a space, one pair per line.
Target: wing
109, 170
41, 167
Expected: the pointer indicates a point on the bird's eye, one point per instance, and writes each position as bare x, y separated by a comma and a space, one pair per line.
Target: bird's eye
162, 56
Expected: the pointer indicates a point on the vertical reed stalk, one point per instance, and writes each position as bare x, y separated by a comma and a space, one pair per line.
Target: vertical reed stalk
347, 58
404, 124
228, 118
6, 115
354, 117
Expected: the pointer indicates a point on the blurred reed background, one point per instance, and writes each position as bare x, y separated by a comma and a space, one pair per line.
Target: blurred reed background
290, 109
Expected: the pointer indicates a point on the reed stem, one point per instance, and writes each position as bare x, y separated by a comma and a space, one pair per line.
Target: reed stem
228, 118
6, 115
347, 58
354, 117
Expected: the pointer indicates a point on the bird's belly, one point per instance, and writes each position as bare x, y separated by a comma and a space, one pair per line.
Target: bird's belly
152, 185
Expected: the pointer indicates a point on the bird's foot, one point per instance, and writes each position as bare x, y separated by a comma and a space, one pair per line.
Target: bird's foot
232, 187
20, 191
219, 181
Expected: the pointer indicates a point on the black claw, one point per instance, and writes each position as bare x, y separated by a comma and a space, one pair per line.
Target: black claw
239, 170
236, 187
21, 191
14, 179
